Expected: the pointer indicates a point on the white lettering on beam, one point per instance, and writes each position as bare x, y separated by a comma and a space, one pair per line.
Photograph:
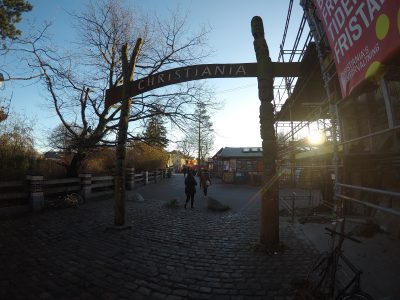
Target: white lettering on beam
191, 73
160, 78
140, 86
187, 72
206, 72
220, 70
150, 81
241, 69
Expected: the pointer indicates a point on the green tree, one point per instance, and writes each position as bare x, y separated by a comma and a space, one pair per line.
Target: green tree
10, 15
201, 132
156, 133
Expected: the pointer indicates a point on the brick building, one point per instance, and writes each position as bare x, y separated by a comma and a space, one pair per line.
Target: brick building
238, 164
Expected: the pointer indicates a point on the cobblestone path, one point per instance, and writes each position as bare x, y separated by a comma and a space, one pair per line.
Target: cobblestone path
167, 253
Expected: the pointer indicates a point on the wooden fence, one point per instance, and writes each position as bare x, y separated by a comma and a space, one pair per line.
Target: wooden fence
31, 194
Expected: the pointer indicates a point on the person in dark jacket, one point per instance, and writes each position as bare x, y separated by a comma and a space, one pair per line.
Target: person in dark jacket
205, 181
184, 171
190, 188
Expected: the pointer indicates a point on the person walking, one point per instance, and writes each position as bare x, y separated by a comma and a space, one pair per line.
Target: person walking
190, 188
184, 171
205, 181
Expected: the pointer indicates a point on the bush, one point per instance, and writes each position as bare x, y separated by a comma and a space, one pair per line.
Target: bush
51, 169
100, 162
145, 157
17, 153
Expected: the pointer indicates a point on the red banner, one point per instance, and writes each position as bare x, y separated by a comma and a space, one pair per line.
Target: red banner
364, 36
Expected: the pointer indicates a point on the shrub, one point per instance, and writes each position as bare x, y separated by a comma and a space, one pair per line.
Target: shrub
17, 153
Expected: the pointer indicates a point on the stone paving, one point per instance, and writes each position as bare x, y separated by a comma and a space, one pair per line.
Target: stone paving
167, 253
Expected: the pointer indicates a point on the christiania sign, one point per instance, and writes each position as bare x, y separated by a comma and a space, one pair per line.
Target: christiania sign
182, 74
363, 35
196, 72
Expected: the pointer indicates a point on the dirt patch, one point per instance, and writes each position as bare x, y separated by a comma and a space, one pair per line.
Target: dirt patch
315, 219
367, 230
269, 249
305, 211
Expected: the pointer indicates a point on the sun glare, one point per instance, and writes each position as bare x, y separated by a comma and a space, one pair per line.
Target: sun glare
316, 138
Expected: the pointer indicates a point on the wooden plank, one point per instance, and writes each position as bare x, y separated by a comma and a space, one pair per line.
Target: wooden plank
8, 184
101, 193
101, 178
60, 190
322, 150
61, 181
99, 185
14, 210
14, 195
288, 69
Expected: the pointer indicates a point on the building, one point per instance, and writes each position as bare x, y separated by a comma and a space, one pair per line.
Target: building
239, 164
176, 160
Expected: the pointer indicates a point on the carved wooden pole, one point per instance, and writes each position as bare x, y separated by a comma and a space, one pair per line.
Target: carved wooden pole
128, 68
269, 231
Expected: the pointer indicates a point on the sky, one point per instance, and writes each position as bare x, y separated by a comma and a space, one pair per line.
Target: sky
237, 123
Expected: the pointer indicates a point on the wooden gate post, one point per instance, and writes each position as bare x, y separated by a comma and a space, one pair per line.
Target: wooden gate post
269, 231
130, 178
128, 68
85, 185
36, 192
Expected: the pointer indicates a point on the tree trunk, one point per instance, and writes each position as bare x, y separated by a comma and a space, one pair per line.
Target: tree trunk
75, 164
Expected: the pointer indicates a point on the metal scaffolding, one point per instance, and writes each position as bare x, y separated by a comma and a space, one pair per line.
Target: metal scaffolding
360, 157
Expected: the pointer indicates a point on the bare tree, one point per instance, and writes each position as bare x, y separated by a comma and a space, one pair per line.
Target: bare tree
186, 147
62, 140
77, 82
